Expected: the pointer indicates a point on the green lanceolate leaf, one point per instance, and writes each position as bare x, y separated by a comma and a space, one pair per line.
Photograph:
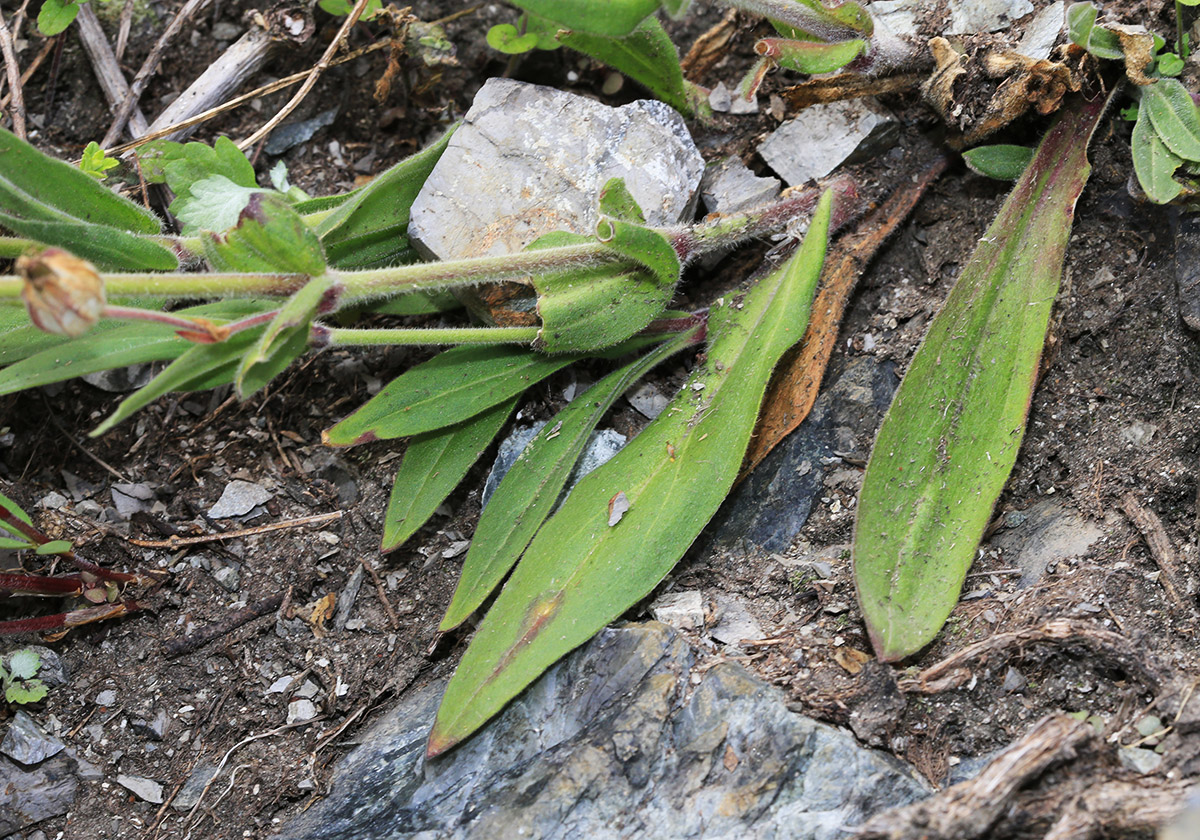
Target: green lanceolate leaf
531, 487
270, 236
17, 511
369, 228
951, 436
647, 55
813, 20
418, 303
200, 367
111, 344
445, 390
285, 338
612, 19
1174, 116
35, 186
434, 464
1002, 162
1154, 163
111, 249
1082, 30
584, 568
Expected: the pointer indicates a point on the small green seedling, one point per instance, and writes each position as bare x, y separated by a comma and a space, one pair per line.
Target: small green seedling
19, 679
56, 15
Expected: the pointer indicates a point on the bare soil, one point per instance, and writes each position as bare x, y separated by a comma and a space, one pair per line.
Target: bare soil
1119, 366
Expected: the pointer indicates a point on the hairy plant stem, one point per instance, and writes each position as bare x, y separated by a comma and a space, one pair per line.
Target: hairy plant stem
13, 246
323, 336
715, 234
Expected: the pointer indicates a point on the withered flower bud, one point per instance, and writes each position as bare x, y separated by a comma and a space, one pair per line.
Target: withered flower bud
63, 294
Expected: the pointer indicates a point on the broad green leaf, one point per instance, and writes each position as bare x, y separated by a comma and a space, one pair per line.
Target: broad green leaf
504, 37
581, 572
119, 345
447, 389
341, 8
1082, 30
22, 691
531, 487
55, 16
1154, 163
434, 464
110, 248
370, 227
951, 436
181, 165
613, 19
213, 203
809, 56
647, 55
198, 368
1169, 64
24, 664
584, 310
95, 163
270, 236
1174, 115
54, 547
285, 338
1002, 162
59, 191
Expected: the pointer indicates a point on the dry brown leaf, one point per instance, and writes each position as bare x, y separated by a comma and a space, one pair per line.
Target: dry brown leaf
322, 611
731, 760
851, 660
794, 385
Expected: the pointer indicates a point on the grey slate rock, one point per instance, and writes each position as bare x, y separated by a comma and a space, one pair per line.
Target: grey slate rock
189, 794
28, 796
528, 160
823, 137
1186, 228
239, 498
1045, 533
601, 446
770, 507
25, 741
729, 185
610, 744
968, 17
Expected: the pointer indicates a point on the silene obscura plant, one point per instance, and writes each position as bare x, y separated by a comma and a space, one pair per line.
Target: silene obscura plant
101, 283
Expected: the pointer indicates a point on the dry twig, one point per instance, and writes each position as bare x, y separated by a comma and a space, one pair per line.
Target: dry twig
104, 64
313, 75
149, 68
970, 809
178, 542
1155, 535
13, 72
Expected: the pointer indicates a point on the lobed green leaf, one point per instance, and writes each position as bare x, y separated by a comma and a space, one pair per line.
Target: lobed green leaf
270, 236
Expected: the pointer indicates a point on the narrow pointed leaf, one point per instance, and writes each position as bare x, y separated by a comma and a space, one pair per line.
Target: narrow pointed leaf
370, 227
433, 466
117, 346
531, 487
1174, 115
1154, 163
951, 436
59, 187
278, 342
580, 572
1002, 162
201, 367
270, 236
109, 248
811, 56
445, 390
